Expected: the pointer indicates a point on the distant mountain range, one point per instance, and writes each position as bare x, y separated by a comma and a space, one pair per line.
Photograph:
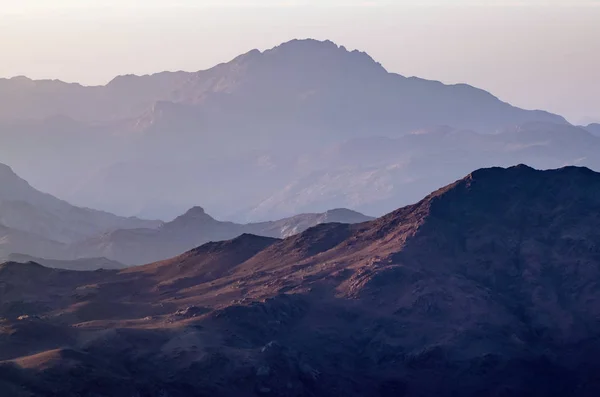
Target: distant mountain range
35, 224
376, 174
83, 264
194, 228
302, 80
488, 286
154, 146
24, 208
38, 224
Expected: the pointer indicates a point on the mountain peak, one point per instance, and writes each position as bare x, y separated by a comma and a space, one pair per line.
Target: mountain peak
195, 211
191, 218
310, 43
325, 52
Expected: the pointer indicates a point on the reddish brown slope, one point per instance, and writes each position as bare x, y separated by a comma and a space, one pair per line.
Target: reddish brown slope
490, 286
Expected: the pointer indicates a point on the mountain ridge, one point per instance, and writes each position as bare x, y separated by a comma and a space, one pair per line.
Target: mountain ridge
269, 113
166, 83
487, 286
24, 208
194, 228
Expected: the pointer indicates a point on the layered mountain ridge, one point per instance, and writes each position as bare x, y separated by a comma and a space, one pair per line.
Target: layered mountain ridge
151, 145
196, 227
39, 225
25, 208
488, 286
299, 67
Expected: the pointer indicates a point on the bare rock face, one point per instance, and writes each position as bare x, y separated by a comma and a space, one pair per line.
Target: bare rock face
488, 286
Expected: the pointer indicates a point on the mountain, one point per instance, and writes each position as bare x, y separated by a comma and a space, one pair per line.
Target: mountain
376, 174
26, 209
301, 78
111, 147
488, 286
74, 264
15, 241
593, 129
194, 228
22, 98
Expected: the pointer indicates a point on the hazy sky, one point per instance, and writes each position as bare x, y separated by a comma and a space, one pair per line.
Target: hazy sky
534, 54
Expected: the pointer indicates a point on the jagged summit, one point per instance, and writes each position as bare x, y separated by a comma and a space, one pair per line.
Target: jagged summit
317, 48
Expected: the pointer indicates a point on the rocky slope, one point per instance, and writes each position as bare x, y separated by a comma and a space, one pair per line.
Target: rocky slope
488, 286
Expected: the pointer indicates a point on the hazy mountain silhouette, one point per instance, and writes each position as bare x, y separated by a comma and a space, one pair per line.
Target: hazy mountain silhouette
37, 225
301, 79
149, 145
196, 227
82, 264
488, 286
14, 241
24, 208
376, 174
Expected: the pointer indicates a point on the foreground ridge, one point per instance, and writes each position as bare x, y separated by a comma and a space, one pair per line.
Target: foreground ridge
488, 286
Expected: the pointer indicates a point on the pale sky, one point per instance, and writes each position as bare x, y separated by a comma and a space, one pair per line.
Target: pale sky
542, 54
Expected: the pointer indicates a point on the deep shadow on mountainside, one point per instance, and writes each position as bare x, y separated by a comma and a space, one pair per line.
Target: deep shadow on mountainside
489, 286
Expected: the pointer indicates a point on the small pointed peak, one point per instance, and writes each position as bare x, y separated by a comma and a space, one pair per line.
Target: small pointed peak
195, 211
194, 217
